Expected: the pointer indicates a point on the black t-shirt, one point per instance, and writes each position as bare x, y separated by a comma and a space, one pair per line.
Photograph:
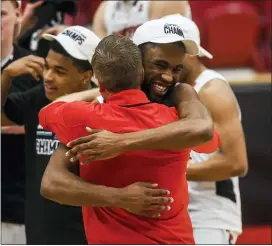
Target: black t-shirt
13, 155
46, 222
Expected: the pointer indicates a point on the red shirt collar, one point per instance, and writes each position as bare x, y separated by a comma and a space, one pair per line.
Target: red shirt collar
128, 97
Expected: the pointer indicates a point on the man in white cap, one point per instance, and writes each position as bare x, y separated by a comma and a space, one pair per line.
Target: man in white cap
214, 207
66, 69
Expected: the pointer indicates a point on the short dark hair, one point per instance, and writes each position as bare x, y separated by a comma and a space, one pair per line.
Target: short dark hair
117, 63
81, 65
148, 45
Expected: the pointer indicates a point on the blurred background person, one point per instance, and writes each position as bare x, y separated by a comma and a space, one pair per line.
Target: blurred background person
123, 17
12, 137
39, 15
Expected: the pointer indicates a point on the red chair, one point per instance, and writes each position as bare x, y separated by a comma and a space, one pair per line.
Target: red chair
255, 235
231, 32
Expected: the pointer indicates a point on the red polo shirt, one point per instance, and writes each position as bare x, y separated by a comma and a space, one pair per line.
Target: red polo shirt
127, 111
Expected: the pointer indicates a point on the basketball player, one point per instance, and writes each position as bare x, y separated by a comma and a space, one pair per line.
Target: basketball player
124, 16
215, 205
62, 72
214, 190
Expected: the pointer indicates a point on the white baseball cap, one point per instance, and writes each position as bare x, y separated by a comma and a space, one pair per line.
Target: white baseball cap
188, 27
162, 32
78, 41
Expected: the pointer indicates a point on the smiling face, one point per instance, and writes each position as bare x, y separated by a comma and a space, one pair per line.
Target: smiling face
163, 66
62, 77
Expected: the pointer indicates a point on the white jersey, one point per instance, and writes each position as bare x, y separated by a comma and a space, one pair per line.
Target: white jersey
124, 17
214, 204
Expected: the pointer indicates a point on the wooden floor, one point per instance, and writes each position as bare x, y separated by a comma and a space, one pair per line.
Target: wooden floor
244, 76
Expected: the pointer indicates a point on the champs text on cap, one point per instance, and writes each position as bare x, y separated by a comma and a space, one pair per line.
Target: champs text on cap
173, 29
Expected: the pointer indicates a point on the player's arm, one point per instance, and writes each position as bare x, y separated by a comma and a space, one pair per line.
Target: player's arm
99, 21
87, 96
195, 126
159, 9
232, 159
61, 185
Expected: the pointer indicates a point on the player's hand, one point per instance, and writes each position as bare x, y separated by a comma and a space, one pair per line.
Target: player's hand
54, 30
145, 199
29, 18
33, 65
98, 145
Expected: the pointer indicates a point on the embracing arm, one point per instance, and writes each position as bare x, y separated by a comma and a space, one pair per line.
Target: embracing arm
63, 186
195, 126
231, 161
87, 96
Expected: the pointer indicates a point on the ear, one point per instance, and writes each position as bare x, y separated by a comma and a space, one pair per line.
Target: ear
87, 77
143, 75
101, 87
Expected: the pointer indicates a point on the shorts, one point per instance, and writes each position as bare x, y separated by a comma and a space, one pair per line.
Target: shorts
12, 233
214, 236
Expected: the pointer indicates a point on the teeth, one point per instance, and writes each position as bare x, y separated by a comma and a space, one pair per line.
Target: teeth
160, 87
51, 88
